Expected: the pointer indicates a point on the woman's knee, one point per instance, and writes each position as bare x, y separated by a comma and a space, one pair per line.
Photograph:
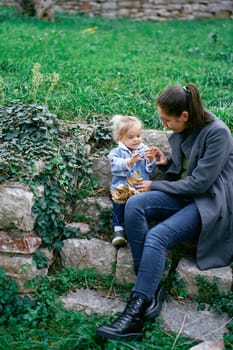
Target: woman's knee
157, 237
135, 202
152, 240
131, 205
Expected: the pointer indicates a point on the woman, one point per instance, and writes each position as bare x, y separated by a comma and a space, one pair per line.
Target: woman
194, 202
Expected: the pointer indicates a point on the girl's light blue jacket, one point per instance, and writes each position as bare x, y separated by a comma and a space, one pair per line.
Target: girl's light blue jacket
118, 158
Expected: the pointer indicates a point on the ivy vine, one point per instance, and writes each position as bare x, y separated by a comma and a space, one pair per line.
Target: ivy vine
37, 150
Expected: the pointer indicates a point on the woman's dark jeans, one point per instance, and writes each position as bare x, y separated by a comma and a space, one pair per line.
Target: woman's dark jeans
179, 220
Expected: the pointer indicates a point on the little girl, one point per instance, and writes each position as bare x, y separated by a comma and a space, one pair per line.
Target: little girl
131, 159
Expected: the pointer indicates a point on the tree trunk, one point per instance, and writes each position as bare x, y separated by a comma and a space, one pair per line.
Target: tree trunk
45, 9
42, 9
25, 7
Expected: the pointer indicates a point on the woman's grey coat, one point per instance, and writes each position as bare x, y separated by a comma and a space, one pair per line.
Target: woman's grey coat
209, 182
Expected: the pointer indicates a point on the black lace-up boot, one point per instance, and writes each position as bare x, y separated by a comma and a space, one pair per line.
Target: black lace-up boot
129, 324
155, 306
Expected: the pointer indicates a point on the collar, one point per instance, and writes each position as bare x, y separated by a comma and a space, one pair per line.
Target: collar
123, 146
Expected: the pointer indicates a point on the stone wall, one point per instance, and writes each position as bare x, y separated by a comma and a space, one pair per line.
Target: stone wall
158, 10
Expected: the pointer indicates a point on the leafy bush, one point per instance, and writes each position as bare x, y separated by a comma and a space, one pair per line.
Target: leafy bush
210, 294
12, 306
8, 302
28, 134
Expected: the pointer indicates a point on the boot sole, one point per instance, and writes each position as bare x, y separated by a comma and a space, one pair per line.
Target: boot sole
114, 336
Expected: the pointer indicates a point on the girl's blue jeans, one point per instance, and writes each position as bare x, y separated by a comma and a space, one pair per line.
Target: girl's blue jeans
179, 220
118, 212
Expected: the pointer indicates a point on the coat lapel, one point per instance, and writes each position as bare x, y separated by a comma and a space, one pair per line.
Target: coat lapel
181, 145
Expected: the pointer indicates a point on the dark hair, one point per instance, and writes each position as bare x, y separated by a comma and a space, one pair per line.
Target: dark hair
176, 99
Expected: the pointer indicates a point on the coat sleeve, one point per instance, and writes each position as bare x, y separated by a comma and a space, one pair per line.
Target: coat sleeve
117, 163
211, 157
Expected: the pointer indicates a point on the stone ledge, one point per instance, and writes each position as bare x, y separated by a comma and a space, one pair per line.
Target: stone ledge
22, 267
80, 253
193, 323
188, 271
89, 301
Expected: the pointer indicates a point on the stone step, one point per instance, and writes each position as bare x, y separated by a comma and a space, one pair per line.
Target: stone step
80, 253
183, 318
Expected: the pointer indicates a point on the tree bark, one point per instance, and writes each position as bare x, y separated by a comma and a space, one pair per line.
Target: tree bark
25, 7
42, 9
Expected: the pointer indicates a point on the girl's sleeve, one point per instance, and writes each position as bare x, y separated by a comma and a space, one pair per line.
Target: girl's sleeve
150, 167
117, 164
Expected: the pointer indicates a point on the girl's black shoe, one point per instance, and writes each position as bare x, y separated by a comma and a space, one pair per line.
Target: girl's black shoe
119, 239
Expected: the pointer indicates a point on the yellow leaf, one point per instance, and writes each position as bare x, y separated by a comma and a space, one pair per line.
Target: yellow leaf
90, 30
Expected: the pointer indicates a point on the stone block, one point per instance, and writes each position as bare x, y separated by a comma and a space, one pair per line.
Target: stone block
82, 253
185, 318
92, 207
22, 243
209, 345
188, 271
89, 301
101, 171
22, 268
124, 267
79, 226
16, 202
109, 5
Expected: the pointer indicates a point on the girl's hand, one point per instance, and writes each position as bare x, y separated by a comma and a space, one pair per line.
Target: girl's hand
135, 158
143, 185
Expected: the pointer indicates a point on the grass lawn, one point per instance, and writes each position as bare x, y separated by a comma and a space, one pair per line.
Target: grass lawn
109, 66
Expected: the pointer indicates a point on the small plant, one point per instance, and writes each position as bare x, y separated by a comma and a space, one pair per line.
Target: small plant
103, 228
54, 79
37, 80
176, 286
208, 292
12, 306
102, 135
8, 302
40, 259
2, 92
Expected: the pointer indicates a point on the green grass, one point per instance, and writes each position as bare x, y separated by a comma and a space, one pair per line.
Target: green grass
44, 324
119, 66
76, 331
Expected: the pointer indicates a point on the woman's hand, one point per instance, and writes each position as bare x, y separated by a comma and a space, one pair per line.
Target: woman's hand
143, 185
160, 156
150, 154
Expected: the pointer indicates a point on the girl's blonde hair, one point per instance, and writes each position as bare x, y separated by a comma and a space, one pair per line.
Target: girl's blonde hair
122, 123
